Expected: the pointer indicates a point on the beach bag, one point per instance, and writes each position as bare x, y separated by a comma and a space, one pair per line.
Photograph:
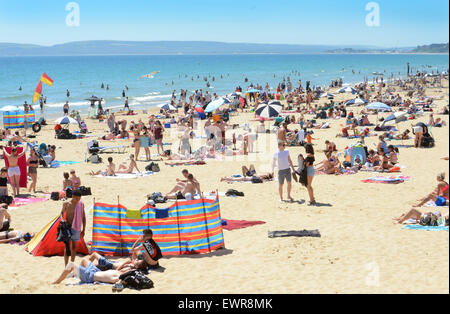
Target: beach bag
6, 199
153, 167
232, 192
157, 198
95, 159
64, 233
85, 191
135, 279
54, 196
429, 220
303, 177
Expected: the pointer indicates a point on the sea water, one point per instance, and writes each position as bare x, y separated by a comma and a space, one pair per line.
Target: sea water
84, 75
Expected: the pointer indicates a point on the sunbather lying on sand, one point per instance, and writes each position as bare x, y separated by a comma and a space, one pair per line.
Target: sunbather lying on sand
15, 235
130, 167
418, 215
264, 178
109, 172
440, 195
186, 163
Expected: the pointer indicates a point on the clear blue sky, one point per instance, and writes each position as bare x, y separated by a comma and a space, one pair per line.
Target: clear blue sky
330, 22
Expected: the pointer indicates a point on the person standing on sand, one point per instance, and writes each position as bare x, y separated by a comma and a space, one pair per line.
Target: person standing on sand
66, 108
74, 214
14, 170
283, 159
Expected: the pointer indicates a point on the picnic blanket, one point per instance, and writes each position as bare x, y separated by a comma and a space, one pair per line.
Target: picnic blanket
387, 180
127, 175
295, 233
230, 225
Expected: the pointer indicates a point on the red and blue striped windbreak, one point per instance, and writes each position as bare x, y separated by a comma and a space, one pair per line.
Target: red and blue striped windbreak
16, 119
188, 227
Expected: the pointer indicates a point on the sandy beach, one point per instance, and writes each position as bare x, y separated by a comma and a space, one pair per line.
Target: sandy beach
359, 241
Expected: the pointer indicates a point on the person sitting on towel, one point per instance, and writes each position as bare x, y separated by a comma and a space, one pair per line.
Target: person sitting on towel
109, 172
439, 196
130, 167
181, 183
148, 251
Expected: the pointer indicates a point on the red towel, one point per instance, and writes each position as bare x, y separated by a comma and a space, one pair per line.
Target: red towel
240, 224
22, 166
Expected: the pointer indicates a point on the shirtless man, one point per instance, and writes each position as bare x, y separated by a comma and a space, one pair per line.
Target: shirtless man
330, 147
109, 172
181, 184
130, 167
74, 214
14, 170
282, 133
191, 186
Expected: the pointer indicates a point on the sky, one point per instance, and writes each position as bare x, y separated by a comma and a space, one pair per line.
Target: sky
402, 23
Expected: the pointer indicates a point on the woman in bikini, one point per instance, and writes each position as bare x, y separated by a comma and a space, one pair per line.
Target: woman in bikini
76, 182
14, 170
33, 164
145, 141
136, 142
440, 195
158, 131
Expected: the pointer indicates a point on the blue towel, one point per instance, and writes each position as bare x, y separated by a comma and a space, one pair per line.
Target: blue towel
427, 228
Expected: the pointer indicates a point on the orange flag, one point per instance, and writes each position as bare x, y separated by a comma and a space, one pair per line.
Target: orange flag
47, 80
38, 92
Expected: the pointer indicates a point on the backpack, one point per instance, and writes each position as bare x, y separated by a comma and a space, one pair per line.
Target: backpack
85, 191
135, 279
153, 167
256, 179
6, 199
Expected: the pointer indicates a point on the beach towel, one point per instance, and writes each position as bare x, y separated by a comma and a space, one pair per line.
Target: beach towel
127, 175
433, 204
20, 201
239, 224
387, 180
426, 228
295, 233
57, 164
22, 162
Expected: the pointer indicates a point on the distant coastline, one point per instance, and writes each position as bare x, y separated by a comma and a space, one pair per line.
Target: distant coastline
122, 48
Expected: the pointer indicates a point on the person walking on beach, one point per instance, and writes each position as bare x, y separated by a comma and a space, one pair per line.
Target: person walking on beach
127, 106
66, 108
283, 159
309, 164
73, 213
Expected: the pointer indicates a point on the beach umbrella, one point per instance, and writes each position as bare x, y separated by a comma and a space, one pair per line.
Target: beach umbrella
199, 109
167, 107
398, 117
347, 90
66, 120
326, 95
268, 111
356, 101
275, 103
216, 104
378, 106
10, 108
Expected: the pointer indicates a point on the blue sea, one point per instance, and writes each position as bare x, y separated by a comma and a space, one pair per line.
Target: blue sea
83, 76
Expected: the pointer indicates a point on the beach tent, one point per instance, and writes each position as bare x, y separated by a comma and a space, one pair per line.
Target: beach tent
354, 151
186, 227
16, 119
44, 242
